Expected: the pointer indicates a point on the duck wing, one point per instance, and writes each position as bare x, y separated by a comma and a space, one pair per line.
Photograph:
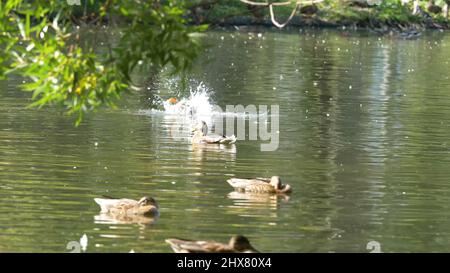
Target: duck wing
228, 139
219, 139
241, 184
115, 205
189, 246
212, 139
261, 187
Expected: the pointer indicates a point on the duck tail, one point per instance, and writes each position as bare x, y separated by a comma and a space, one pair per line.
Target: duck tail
233, 139
101, 203
229, 140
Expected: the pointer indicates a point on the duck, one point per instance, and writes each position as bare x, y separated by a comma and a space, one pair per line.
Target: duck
200, 135
146, 206
237, 244
260, 185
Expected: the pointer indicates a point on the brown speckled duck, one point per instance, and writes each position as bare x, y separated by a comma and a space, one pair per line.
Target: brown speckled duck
237, 244
201, 136
260, 185
145, 206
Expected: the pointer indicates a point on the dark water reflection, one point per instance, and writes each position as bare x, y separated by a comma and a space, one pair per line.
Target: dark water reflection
364, 141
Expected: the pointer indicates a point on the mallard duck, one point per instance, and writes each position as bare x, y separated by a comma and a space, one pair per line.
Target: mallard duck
145, 206
260, 185
237, 244
201, 136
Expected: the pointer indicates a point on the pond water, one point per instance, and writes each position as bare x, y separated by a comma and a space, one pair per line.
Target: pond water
364, 141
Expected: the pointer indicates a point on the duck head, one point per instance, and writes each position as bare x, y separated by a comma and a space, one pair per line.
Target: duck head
201, 127
241, 243
147, 201
275, 181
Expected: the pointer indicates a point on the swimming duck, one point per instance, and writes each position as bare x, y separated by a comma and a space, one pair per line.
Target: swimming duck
201, 136
237, 244
260, 185
145, 206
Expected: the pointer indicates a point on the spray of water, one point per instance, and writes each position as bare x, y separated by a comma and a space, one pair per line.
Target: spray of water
182, 114
196, 105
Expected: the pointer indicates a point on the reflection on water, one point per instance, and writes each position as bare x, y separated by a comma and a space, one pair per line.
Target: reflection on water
115, 219
364, 126
203, 152
254, 205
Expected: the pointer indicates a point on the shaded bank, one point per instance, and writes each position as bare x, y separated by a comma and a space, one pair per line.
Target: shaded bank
380, 15
333, 13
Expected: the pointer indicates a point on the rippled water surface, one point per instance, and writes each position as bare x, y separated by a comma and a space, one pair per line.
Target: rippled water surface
364, 141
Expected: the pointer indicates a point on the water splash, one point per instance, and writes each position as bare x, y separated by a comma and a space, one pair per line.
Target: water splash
198, 104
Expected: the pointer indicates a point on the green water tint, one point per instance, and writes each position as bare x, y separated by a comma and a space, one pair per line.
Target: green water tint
364, 142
